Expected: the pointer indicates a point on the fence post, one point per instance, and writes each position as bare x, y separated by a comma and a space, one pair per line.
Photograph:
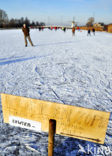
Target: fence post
52, 129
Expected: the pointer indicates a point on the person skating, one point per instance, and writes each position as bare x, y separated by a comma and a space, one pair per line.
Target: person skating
26, 33
89, 32
73, 31
93, 31
64, 29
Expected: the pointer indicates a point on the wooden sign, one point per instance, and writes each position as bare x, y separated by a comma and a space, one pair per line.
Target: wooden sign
72, 121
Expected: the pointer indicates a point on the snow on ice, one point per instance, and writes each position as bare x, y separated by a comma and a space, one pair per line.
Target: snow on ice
74, 70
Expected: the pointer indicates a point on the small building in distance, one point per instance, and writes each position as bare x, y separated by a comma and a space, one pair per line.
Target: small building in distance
98, 26
109, 28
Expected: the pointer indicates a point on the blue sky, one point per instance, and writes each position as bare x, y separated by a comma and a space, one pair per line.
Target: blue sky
60, 11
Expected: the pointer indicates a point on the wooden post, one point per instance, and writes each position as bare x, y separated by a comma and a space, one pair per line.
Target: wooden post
52, 129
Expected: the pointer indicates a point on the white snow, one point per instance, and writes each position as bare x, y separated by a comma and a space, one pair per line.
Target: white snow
74, 70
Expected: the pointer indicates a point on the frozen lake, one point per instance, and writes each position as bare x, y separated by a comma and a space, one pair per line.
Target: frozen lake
74, 70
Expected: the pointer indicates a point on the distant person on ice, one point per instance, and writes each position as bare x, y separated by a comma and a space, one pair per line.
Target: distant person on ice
73, 31
93, 31
26, 31
89, 32
64, 29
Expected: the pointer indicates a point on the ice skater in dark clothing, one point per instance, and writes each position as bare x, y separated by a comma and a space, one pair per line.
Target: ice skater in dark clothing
64, 29
89, 32
93, 31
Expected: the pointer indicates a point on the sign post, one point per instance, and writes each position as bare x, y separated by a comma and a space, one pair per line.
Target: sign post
72, 121
52, 129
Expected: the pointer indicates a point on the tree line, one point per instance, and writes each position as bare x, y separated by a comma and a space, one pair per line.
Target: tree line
16, 23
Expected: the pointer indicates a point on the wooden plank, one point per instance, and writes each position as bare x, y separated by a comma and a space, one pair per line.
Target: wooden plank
72, 121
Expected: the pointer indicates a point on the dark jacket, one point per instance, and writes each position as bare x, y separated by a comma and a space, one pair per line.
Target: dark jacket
89, 31
93, 30
26, 31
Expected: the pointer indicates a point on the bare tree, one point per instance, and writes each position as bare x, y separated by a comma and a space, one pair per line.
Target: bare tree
15, 23
3, 16
42, 24
27, 21
90, 21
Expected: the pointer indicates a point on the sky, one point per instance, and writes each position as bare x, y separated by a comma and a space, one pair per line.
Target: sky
59, 11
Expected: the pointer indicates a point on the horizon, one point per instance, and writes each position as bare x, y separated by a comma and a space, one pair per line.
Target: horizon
59, 12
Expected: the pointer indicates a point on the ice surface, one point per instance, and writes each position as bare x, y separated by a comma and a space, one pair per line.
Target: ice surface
74, 70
